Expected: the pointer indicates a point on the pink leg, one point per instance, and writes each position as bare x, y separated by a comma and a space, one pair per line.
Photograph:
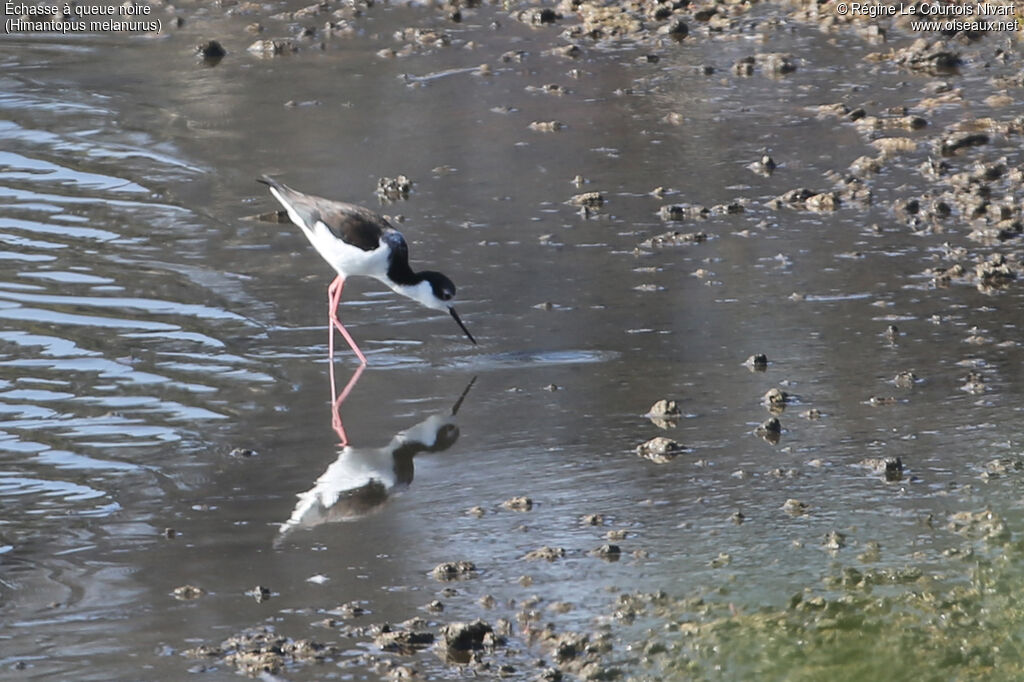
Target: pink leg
333, 299
336, 403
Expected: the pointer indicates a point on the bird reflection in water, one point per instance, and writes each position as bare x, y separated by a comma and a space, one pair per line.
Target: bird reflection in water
362, 479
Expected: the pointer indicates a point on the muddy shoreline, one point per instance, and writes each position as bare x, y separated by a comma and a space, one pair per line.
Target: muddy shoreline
923, 147
966, 181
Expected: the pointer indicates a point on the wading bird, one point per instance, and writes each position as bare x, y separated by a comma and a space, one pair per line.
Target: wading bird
356, 241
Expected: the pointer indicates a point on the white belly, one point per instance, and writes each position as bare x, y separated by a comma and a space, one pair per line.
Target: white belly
349, 260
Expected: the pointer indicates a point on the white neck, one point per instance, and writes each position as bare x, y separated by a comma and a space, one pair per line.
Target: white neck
422, 293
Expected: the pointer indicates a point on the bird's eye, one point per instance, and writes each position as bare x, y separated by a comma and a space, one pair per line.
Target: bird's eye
447, 295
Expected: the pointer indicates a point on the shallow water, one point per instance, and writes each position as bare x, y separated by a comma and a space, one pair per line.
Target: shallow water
150, 332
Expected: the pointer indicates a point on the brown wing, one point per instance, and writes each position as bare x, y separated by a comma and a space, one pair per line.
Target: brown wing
356, 225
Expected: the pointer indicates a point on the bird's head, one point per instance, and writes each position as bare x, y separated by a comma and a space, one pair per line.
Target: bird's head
438, 292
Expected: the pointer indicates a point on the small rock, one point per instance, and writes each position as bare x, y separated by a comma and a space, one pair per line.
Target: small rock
720, 561
952, 144
402, 641
259, 593
758, 361
545, 553
211, 51
452, 570
589, 199
764, 166
188, 592
795, 507
674, 238
775, 398
392, 189
676, 28
905, 379
664, 408
609, 552
466, 636
352, 609
665, 413
273, 47
777, 63
744, 66
521, 503
834, 540
893, 469
659, 449
546, 126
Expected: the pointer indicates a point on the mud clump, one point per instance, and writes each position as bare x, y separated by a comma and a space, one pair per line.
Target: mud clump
588, 199
520, 503
984, 525
776, 63
764, 166
188, 592
608, 552
402, 641
891, 468
795, 507
545, 554
275, 47
905, 379
807, 200
948, 146
665, 414
674, 239
995, 272
546, 126
454, 570
393, 189
260, 593
770, 430
211, 51
775, 400
261, 651
578, 654
999, 467
757, 362
933, 57
468, 636
834, 540
677, 29
679, 212
659, 450
537, 16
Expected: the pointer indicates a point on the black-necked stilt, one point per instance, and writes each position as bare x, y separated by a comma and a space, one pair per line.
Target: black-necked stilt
356, 241
362, 479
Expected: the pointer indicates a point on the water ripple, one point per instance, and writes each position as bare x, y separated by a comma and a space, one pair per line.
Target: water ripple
117, 343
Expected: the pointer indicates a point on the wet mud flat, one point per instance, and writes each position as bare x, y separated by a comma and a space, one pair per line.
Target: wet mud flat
863, 528
940, 116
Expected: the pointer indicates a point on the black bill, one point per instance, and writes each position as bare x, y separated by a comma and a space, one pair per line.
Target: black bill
455, 315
